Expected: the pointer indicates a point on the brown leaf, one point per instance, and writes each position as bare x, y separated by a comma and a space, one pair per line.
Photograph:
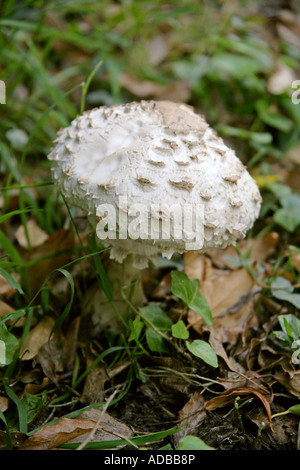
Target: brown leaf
6, 289
158, 48
54, 435
70, 343
51, 255
216, 339
236, 324
36, 388
3, 404
36, 235
51, 358
191, 415
177, 91
164, 288
109, 428
281, 78
293, 155
229, 397
259, 250
295, 259
291, 383
5, 308
36, 338
95, 381
198, 266
224, 292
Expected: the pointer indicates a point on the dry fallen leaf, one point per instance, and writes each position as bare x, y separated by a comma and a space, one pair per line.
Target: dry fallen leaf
5, 308
109, 428
51, 255
158, 48
6, 289
198, 266
4, 402
291, 383
94, 384
36, 388
259, 249
224, 292
36, 235
36, 338
281, 79
53, 435
191, 416
146, 89
229, 397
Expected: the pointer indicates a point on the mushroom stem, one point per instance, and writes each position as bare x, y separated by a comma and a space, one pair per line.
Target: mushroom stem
124, 282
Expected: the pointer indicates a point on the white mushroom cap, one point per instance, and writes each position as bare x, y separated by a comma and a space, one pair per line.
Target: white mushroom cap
143, 158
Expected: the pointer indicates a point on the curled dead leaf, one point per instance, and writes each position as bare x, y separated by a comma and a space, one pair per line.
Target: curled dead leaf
36, 338
229, 397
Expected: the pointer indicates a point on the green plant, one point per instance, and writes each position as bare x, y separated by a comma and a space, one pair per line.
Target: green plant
289, 335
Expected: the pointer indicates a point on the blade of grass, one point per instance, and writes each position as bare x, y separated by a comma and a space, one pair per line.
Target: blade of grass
137, 440
9, 445
20, 407
14, 255
67, 309
85, 86
10, 369
11, 280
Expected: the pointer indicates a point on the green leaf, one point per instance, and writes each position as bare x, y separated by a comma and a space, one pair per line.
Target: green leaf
289, 215
156, 342
295, 410
204, 351
33, 404
262, 138
8, 344
157, 322
290, 325
136, 327
282, 289
235, 65
192, 443
157, 317
183, 287
20, 407
188, 291
9, 445
276, 120
180, 331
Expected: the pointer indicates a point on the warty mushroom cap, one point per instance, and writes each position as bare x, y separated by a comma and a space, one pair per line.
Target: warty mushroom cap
154, 154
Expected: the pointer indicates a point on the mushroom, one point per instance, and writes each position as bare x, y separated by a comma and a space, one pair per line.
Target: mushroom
154, 179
